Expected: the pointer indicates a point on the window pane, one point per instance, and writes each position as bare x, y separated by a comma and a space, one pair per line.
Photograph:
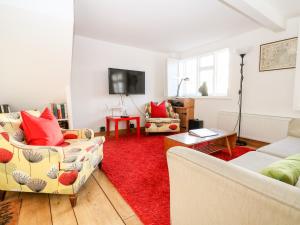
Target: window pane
172, 76
206, 61
208, 77
188, 68
212, 69
222, 72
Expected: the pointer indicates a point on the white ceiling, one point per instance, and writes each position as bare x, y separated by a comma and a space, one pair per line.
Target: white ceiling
163, 25
288, 8
44, 7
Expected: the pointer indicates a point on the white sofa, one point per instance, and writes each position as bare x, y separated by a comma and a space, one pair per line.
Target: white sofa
208, 191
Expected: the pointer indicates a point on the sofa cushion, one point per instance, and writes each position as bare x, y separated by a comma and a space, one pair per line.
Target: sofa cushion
285, 170
254, 161
298, 183
10, 123
169, 108
43, 130
158, 110
283, 148
162, 120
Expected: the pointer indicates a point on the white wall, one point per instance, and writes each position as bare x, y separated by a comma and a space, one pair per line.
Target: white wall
265, 93
36, 50
297, 77
89, 83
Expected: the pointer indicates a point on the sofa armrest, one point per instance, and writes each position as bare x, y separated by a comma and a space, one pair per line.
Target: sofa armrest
54, 152
294, 128
207, 189
78, 133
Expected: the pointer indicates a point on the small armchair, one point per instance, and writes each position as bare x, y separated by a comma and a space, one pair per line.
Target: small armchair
46, 169
158, 125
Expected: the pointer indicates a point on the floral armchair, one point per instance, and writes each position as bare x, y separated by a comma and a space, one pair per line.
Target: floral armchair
155, 125
46, 169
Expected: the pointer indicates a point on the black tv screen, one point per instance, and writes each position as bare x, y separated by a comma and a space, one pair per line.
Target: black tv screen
126, 81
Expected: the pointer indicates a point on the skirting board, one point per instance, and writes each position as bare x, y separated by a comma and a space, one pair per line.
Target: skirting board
263, 128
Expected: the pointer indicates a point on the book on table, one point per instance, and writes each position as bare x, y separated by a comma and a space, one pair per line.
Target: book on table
203, 132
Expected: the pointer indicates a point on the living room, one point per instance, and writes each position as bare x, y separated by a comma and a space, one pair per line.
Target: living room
173, 112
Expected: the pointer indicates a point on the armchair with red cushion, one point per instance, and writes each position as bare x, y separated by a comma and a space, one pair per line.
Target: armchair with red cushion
161, 118
39, 157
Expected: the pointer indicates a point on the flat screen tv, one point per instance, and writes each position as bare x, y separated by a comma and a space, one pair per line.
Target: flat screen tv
126, 82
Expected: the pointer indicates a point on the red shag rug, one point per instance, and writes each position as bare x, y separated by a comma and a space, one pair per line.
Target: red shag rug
138, 169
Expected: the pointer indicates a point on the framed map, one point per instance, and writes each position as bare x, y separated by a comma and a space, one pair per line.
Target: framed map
278, 55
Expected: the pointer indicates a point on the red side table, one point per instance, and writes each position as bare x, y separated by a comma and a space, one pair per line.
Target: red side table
127, 120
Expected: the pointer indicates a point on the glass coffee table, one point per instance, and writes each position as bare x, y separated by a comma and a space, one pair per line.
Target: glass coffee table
208, 145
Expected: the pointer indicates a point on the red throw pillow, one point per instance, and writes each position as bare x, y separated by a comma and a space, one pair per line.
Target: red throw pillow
46, 114
43, 130
158, 111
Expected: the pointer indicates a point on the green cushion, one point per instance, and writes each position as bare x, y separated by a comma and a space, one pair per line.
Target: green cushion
286, 170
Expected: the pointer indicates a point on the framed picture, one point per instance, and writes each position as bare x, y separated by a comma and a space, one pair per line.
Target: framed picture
278, 55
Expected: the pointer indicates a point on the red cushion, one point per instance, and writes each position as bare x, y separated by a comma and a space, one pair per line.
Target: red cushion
158, 111
43, 130
45, 114
70, 136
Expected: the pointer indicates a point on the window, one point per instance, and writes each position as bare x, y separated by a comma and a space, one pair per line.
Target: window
211, 69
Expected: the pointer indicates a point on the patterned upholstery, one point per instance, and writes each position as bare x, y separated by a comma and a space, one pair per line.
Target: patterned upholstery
46, 169
170, 124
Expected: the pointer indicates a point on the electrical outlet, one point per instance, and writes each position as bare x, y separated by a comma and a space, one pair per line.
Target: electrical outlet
102, 129
131, 125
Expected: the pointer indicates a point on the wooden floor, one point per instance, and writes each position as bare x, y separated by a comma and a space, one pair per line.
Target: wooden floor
98, 203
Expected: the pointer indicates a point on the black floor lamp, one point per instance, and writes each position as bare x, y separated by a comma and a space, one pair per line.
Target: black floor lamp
239, 141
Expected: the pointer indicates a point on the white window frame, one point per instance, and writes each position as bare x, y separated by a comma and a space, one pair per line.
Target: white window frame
214, 67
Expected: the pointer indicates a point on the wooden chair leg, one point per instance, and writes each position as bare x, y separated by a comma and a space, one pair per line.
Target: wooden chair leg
73, 200
2, 195
100, 165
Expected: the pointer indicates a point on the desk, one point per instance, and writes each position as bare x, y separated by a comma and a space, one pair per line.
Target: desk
127, 120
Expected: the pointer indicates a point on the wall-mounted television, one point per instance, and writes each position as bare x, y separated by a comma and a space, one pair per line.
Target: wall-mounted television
126, 82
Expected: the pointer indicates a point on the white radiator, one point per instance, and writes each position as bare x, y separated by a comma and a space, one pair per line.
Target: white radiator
255, 126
